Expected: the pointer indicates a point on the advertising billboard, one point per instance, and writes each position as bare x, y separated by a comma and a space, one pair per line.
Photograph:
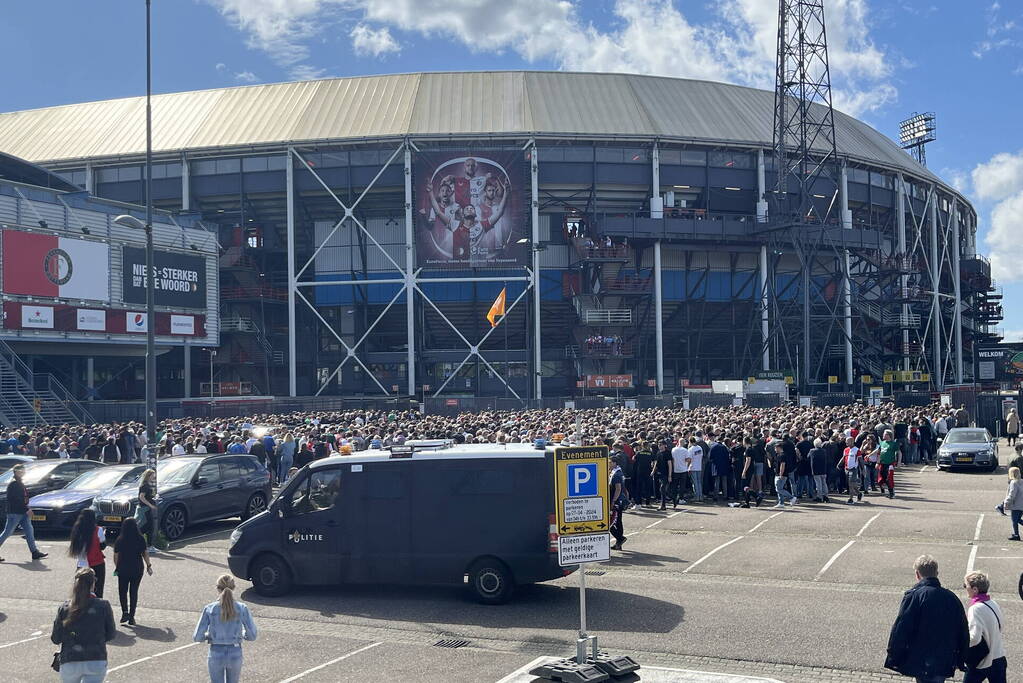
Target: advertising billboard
608, 381
62, 318
48, 266
180, 279
1003, 363
470, 210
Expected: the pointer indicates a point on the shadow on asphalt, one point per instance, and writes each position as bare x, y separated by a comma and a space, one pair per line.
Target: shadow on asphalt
532, 606
127, 635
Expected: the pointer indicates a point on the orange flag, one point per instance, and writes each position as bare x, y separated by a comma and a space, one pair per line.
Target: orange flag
498, 308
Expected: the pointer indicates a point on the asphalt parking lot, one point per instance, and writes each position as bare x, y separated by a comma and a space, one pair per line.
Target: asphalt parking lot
803, 594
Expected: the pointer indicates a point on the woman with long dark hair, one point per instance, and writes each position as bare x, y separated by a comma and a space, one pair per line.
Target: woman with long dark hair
147, 504
224, 624
88, 540
129, 557
83, 627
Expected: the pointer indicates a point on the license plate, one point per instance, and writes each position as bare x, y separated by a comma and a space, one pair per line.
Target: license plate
38, 517
964, 458
111, 518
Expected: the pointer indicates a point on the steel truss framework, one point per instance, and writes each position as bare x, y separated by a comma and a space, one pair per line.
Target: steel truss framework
406, 275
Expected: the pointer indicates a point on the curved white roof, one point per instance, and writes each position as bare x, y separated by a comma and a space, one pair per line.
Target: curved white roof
584, 105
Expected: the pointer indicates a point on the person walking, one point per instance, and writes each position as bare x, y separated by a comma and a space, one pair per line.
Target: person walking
694, 462
616, 487
819, 467
782, 467
888, 456
223, 624
129, 557
17, 513
1013, 501
88, 540
984, 662
852, 462
663, 472
83, 627
287, 457
1012, 426
147, 509
929, 638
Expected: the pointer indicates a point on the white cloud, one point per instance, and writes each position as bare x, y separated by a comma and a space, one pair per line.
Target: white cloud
646, 36
957, 177
220, 66
246, 77
368, 42
1000, 179
1013, 335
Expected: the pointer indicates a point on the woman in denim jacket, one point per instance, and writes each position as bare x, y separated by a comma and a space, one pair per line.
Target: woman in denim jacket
223, 625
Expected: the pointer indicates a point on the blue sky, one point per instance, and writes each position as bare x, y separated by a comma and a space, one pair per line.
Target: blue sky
962, 60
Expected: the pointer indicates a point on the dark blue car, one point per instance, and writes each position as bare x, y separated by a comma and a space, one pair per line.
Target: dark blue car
59, 509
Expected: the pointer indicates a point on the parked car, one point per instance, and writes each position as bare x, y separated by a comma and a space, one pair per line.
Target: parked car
193, 489
46, 475
59, 509
968, 447
9, 461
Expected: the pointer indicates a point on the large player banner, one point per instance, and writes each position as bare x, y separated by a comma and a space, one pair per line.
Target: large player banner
36, 264
180, 279
470, 210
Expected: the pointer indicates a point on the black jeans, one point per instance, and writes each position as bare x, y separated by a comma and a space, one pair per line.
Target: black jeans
101, 578
128, 591
617, 529
994, 673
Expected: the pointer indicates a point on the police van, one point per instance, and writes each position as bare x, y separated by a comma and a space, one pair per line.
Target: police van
428, 512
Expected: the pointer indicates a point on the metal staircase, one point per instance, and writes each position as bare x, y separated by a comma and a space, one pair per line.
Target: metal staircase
21, 389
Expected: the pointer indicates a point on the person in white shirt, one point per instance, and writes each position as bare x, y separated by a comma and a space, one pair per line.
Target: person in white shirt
178, 449
984, 617
695, 462
680, 460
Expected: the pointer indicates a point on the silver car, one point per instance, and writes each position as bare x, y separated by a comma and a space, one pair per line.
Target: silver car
968, 447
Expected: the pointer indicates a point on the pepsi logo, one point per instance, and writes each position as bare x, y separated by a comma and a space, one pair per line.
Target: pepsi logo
138, 320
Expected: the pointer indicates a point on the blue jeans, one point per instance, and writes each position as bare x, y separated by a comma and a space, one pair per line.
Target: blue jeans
779, 486
284, 467
225, 663
13, 520
804, 485
697, 478
93, 671
1016, 516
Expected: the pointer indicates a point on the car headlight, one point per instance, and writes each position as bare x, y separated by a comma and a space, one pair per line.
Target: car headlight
235, 535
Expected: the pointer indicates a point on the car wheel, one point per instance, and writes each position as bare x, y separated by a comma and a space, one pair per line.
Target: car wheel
491, 581
256, 504
174, 522
270, 576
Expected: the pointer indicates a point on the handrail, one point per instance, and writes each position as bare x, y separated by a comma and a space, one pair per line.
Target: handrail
69, 401
16, 363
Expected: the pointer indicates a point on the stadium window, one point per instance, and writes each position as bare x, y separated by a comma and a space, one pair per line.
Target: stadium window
551, 154
254, 164
694, 157
228, 166
172, 169
613, 155
669, 157
858, 175
636, 156
336, 159
205, 167
729, 159
366, 157
877, 179
577, 154
277, 163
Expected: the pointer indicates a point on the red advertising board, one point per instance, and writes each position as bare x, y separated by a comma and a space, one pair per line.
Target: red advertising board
608, 381
45, 265
62, 318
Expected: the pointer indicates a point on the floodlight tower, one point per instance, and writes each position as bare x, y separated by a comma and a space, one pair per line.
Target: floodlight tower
914, 134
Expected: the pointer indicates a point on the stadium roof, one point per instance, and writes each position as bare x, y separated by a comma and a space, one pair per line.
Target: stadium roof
525, 103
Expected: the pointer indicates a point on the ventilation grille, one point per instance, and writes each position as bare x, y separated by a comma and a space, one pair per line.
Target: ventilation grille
451, 643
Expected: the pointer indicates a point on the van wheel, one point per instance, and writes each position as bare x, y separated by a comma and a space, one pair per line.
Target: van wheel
490, 581
256, 504
174, 522
270, 576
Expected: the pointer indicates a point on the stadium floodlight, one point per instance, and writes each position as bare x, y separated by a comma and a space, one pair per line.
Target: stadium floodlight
915, 132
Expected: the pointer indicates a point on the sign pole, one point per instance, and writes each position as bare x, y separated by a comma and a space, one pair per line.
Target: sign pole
583, 640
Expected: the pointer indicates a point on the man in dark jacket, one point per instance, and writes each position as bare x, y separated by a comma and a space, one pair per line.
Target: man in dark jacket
930, 636
17, 513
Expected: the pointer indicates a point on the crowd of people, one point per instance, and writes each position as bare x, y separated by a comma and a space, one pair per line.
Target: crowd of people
735, 455
604, 344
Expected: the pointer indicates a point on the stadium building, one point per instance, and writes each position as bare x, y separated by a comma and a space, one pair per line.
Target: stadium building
367, 226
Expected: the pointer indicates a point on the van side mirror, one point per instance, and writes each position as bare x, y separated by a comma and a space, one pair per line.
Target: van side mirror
200, 481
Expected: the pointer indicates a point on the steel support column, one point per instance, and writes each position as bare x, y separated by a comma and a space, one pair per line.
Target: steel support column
957, 320
90, 376
410, 277
535, 242
290, 193
938, 372
658, 317
765, 321
761, 188
187, 351
186, 185
846, 217
90, 179
900, 226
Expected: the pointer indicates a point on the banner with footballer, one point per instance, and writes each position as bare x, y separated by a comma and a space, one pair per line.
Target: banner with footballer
470, 210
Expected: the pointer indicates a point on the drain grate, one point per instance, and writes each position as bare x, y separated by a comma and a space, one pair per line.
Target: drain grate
594, 572
451, 643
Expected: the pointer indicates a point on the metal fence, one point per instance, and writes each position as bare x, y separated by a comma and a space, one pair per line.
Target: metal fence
712, 400
763, 399
835, 398
912, 399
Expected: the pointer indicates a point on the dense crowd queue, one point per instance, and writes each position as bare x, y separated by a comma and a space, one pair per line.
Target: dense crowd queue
734, 455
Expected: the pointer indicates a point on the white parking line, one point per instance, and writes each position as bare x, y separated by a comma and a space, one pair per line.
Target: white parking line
653, 524
976, 534
19, 642
832, 560
869, 521
973, 558
694, 565
146, 659
333, 661
924, 468
762, 523
212, 533
999, 557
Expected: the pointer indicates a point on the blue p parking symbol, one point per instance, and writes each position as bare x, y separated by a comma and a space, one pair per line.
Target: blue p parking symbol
582, 480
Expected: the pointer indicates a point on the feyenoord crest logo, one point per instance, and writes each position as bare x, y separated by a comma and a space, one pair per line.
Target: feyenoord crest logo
57, 266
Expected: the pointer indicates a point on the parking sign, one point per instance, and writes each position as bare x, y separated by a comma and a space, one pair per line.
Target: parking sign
581, 492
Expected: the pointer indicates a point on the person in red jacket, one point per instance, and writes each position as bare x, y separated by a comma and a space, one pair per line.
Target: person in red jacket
88, 540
